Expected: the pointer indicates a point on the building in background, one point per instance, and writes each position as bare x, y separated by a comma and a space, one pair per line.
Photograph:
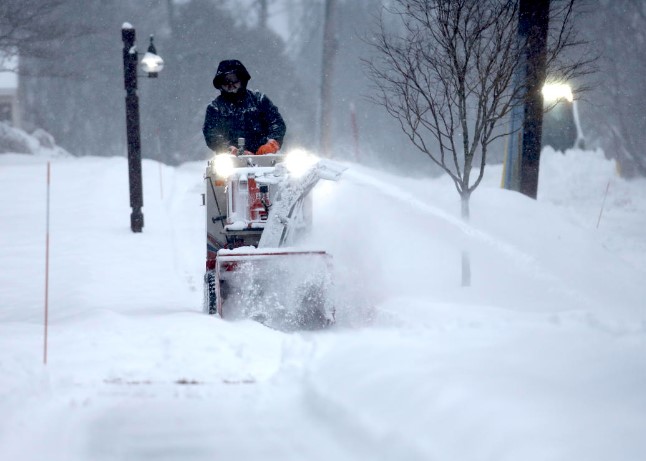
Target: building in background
9, 106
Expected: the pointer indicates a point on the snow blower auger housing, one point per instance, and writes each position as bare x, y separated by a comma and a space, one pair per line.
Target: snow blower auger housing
257, 209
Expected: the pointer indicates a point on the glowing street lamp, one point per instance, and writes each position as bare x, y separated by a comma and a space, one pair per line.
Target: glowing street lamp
561, 129
554, 92
152, 63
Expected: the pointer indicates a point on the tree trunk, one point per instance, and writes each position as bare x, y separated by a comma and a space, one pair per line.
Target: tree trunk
263, 14
466, 257
327, 72
172, 19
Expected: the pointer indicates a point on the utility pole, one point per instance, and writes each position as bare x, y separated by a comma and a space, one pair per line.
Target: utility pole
533, 25
522, 159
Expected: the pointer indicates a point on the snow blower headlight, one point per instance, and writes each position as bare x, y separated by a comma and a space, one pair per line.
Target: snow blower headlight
223, 165
299, 161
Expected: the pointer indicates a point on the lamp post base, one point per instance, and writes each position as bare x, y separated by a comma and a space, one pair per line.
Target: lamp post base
136, 221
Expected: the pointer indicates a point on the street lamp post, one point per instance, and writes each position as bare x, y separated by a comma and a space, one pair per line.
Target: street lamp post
132, 127
151, 64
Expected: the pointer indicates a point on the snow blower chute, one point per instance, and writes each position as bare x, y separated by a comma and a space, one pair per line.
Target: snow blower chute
257, 208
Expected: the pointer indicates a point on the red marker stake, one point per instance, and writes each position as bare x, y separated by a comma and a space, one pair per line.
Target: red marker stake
47, 267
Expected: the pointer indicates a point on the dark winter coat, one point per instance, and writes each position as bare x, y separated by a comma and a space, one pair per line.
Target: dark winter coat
249, 114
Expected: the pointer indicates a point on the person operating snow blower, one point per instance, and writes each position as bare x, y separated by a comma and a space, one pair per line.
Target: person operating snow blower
241, 113
258, 212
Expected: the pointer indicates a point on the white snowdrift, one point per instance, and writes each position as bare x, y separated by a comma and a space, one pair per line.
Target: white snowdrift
542, 358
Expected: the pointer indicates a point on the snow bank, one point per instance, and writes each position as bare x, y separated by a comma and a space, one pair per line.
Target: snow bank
39, 143
542, 358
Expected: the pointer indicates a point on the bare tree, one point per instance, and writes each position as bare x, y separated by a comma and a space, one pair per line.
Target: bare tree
446, 74
26, 27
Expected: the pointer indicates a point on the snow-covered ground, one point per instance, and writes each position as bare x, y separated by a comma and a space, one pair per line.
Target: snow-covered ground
541, 359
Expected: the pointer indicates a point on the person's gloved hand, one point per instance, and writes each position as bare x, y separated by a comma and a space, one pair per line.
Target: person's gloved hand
235, 151
271, 147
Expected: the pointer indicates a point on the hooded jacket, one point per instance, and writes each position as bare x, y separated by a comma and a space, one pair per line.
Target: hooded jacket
229, 66
245, 114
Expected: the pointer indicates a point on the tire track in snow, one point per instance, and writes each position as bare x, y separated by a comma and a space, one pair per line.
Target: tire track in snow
362, 436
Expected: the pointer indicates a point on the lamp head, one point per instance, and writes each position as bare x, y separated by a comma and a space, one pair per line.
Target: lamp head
557, 91
152, 63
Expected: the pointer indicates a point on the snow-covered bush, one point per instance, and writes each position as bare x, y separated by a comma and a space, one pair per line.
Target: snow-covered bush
15, 140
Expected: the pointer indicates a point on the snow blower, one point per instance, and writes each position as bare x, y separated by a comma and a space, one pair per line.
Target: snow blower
258, 208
